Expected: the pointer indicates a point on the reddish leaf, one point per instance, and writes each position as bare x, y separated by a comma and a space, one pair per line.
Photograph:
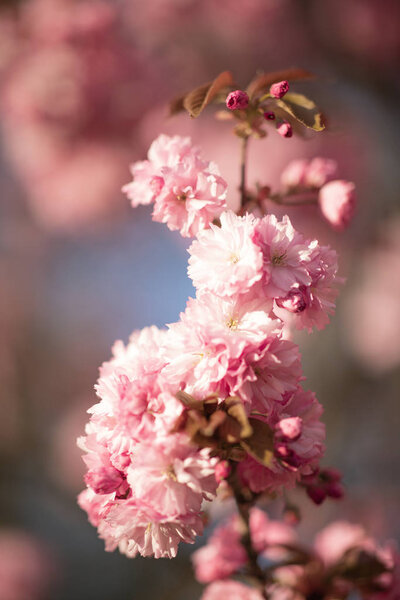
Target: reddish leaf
196, 100
260, 445
235, 409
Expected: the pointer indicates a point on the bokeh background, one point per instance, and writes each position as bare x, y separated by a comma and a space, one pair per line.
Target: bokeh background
84, 87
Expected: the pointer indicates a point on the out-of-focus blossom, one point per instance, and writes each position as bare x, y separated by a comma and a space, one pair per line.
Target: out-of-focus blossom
71, 97
337, 202
377, 348
303, 173
234, 590
354, 27
26, 569
224, 555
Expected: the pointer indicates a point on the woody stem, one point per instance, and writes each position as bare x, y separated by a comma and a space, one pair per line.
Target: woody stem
254, 571
243, 160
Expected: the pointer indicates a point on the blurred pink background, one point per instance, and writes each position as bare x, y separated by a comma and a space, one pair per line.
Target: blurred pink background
84, 87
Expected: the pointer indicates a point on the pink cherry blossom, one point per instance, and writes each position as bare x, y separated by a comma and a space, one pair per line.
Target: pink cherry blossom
188, 192
286, 255
214, 345
275, 369
140, 530
171, 476
308, 306
226, 260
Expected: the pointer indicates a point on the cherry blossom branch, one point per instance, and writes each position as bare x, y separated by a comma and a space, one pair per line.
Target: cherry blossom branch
244, 505
296, 199
243, 161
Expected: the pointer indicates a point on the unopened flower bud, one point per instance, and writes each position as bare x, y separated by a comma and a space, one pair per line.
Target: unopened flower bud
316, 493
337, 202
296, 300
237, 100
278, 90
284, 129
334, 490
104, 480
269, 115
290, 428
222, 470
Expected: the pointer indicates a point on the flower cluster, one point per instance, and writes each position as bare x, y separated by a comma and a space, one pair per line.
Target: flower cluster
269, 262
221, 384
188, 192
145, 485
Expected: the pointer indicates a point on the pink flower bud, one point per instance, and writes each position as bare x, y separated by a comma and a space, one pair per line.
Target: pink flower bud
237, 100
104, 480
337, 202
290, 428
316, 493
278, 90
295, 302
269, 116
284, 129
222, 470
334, 490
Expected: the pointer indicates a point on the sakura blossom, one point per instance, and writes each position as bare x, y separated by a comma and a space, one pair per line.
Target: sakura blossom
188, 192
226, 260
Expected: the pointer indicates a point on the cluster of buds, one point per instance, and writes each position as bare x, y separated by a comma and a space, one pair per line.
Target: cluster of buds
239, 100
322, 484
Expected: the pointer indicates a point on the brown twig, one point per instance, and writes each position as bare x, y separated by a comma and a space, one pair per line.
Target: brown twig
244, 504
243, 161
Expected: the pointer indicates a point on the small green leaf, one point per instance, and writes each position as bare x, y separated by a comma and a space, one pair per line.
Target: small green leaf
265, 80
303, 110
196, 100
260, 445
